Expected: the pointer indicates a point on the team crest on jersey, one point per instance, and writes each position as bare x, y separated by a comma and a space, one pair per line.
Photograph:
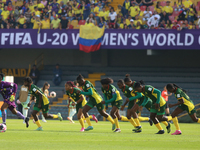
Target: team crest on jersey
74, 94
43, 109
125, 92
116, 103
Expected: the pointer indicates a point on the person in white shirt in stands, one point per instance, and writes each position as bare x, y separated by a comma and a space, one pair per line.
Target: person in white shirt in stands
154, 21
147, 14
112, 18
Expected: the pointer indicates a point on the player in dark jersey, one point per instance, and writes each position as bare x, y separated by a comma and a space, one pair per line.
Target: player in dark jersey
8, 92
112, 95
78, 100
94, 100
42, 103
184, 104
158, 105
134, 102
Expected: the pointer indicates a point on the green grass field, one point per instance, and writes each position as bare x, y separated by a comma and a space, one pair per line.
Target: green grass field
63, 135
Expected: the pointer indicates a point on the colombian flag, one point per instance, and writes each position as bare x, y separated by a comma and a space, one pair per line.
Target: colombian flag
90, 38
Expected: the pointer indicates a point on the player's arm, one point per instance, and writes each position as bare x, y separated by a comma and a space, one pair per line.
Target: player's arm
87, 93
123, 106
81, 99
180, 101
156, 91
145, 101
114, 97
139, 95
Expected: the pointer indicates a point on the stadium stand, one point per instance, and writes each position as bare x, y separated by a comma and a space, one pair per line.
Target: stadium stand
49, 14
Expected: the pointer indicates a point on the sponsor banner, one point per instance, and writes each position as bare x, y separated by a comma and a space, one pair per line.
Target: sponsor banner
112, 39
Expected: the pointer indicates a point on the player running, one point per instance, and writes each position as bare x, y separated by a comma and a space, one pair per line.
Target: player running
184, 104
8, 92
112, 95
158, 105
94, 100
134, 101
78, 101
42, 103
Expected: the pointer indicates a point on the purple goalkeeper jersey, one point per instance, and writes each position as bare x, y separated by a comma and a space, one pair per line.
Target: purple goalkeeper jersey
7, 89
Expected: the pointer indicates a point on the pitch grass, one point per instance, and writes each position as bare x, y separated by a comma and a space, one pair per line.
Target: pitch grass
63, 135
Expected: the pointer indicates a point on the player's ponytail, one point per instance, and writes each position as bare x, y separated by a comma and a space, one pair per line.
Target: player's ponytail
45, 84
80, 77
141, 82
176, 86
127, 79
106, 81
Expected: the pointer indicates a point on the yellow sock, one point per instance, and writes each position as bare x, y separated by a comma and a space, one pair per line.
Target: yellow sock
143, 118
116, 123
124, 118
158, 126
110, 119
88, 121
81, 122
169, 118
139, 114
90, 116
55, 116
38, 123
137, 122
83, 117
175, 121
198, 120
132, 122
165, 123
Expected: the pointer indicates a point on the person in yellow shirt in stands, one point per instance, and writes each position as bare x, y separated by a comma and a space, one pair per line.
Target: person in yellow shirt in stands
75, 6
137, 20
5, 13
55, 23
134, 10
78, 13
127, 5
168, 9
31, 6
40, 5
2, 5
128, 20
45, 23
187, 3
104, 14
158, 8
121, 26
22, 20
90, 23
36, 22
36, 11
190, 14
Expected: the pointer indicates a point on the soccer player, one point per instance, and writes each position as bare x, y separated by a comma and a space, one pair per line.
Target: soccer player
158, 105
184, 104
8, 92
94, 100
134, 101
42, 103
112, 95
165, 95
78, 101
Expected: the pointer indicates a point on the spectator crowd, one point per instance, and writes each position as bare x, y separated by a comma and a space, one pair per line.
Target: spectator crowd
69, 14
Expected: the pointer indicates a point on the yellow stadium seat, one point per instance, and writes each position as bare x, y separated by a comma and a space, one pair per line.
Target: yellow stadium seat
76, 27
74, 22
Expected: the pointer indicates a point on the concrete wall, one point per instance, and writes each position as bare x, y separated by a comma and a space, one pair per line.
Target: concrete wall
20, 58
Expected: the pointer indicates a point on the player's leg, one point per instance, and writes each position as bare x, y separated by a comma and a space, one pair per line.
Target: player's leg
85, 110
194, 118
35, 117
175, 120
167, 109
130, 119
115, 118
45, 110
80, 119
71, 114
156, 122
100, 108
3, 112
43, 118
134, 110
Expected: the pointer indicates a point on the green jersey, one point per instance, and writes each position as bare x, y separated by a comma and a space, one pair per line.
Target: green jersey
111, 91
75, 96
179, 94
34, 90
149, 92
95, 95
128, 91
